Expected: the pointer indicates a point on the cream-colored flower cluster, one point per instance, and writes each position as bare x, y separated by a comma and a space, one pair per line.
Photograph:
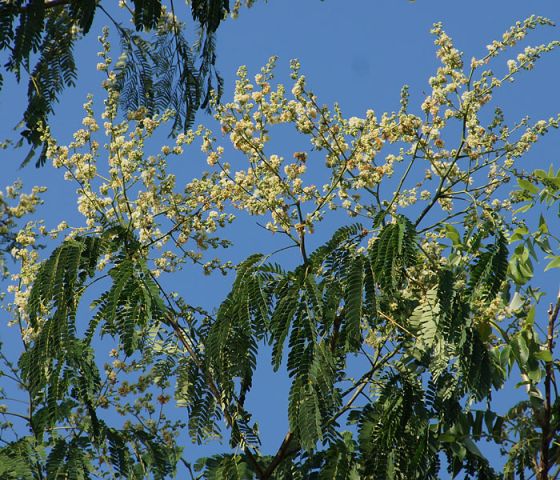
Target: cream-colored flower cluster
423, 162
16, 205
120, 184
361, 155
237, 6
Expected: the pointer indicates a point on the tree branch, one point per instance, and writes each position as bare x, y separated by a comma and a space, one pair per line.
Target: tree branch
282, 453
548, 430
188, 343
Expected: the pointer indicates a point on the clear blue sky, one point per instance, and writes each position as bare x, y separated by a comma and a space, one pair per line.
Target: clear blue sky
356, 52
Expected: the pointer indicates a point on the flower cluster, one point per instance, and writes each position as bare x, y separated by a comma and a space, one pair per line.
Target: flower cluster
423, 162
15, 205
134, 189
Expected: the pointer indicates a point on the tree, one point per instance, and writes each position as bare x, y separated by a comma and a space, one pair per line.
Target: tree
433, 290
158, 71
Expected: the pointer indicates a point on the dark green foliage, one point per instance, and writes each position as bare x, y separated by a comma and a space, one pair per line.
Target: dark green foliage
448, 319
407, 408
17, 460
300, 306
319, 308
146, 14
403, 433
62, 276
69, 459
393, 252
316, 315
83, 11
119, 453
209, 12
476, 365
339, 461
155, 456
229, 360
131, 454
490, 270
192, 391
225, 467
241, 322
68, 383
54, 301
447, 328
395, 437
162, 70
54, 70
354, 303
160, 74
130, 305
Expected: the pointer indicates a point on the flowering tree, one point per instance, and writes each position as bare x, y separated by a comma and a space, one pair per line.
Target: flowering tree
430, 285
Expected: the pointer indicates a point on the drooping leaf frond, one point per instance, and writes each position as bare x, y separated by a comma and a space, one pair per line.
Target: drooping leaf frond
393, 252
61, 277
241, 322
17, 459
225, 467
166, 75
490, 270
52, 308
130, 305
395, 440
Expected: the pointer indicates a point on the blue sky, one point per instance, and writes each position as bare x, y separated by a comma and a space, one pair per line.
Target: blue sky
355, 52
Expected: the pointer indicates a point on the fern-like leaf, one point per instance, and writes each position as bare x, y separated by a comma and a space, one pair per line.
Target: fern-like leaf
393, 252
353, 303
490, 270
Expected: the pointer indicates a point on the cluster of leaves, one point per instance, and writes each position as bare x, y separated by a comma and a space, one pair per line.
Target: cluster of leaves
317, 315
324, 309
68, 388
161, 71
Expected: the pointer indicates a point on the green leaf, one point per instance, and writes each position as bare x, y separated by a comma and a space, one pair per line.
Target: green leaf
524, 208
490, 269
554, 263
471, 447
519, 234
393, 252
353, 298
522, 349
453, 234
544, 355
18, 459
528, 186
530, 318
425, 318
448, 437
